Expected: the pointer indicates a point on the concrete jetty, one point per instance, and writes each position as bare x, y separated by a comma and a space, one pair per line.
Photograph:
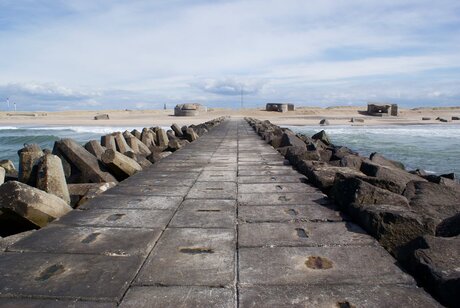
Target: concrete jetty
223, 222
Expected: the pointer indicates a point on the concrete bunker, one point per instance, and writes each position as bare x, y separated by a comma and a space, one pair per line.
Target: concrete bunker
189, 110
279, 107
382, 110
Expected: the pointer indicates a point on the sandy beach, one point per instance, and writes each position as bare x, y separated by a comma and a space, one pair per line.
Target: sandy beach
302, 116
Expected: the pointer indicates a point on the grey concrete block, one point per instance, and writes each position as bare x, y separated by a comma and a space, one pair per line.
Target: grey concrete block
89, 240
319, 265
269, 188
197, 297
133, 202
272, 179
69, 276
216, 175
356, 295
117, 218
259, 172
197, 213
150, 190
200, 257
53, 303
282, 199
285, 213
302, 234
213, 190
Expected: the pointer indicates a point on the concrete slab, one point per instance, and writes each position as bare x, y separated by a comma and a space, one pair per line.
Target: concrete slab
158, 174
302, 234
117, 218
52, 303
262, 163
356, 295
200, 257
272, 179
282, 199
152, 181
253, 172
201, 213
276, 188
133, 202
213, 190
216, 175
319, 265
89, 240
221, 167
286, 213
70, 276
180, 168
264, 167
179, 297
135, 190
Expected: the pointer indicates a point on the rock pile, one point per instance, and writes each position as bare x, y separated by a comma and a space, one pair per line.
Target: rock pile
50, 183
415, 216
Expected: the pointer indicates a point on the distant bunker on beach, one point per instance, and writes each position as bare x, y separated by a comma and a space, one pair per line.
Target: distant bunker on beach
189, 110
382, 110
279, 107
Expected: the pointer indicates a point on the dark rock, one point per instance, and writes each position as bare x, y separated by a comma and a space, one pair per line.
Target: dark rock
450, 176
435, 264
426, 118
352, 190
324, 122
449, 226
323, 175
352, 161
322, 136
455, 118
290, 139
381, 160
395, 175
437, 201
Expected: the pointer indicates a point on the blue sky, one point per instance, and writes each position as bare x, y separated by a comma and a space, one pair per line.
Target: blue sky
139, 54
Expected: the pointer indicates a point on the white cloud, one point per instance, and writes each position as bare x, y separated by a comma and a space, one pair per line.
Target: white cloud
153, 51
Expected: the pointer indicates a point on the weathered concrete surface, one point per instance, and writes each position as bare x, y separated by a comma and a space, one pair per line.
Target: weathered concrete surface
207, 227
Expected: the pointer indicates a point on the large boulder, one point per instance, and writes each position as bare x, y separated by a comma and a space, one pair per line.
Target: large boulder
28, 162
95, 148
177, 130
9, 167
399, 177
323, 137
440, 202
290, 139
19, 200
352, 190
120, 165
51, 177
190, 134
435, 263
323, 175
87, 164
379, 159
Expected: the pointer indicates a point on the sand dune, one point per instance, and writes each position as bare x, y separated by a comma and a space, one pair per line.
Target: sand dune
302, 116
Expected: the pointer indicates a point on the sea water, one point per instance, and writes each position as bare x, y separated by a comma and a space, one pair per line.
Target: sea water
433, 148
13, 138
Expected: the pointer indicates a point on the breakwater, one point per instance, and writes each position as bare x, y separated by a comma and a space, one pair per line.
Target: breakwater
224, 222
414, 215
49, 183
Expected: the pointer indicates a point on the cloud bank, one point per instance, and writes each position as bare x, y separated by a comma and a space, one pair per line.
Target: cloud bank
123, 54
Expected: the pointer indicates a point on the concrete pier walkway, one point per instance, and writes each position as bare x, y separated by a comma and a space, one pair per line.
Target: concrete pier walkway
223, 222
